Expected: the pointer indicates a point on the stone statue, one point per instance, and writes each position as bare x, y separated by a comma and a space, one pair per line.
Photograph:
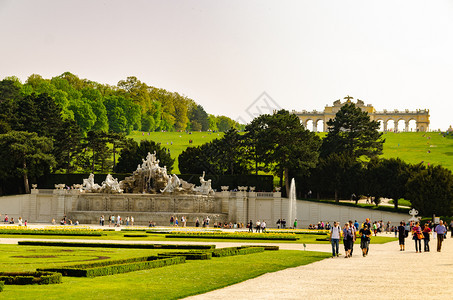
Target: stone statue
111, 185
173, 185
90, 186
205, 187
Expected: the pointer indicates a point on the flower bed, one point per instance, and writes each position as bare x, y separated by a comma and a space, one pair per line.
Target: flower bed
300, 231
234, 235
22, 278
60, 230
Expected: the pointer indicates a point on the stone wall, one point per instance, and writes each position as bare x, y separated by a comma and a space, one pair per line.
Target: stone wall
226, 206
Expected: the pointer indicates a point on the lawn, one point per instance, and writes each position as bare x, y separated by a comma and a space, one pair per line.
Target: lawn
412, 147
172, 282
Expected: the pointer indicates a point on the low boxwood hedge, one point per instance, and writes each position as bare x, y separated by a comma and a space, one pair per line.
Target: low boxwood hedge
240, 236
114, 245
102, 269
267, 248
230, 251
135, 235
2, 284
190, 255
22, 278
50, 232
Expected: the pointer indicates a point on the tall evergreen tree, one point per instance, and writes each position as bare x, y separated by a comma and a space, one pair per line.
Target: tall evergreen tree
353, 133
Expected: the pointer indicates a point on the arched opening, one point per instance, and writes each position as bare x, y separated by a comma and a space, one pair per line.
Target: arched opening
320, 125
309, 125
381, 125
391, 125
412, 125
401, 126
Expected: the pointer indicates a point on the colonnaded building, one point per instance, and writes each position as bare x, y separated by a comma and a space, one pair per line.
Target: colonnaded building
399, 119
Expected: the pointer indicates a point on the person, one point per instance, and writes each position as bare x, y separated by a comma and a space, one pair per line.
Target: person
132, 221
263, 226
401, 235
258, 226
365, 234
426, 233
171, 220
335, 238
278, 223
417, 237
347, 240
356, 225
207, 221
354, 234
295, 223
451, 228
250, 226
20, 221
440, 230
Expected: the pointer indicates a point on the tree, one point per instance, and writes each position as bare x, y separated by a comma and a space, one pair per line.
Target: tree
284, 144
352, 133
388, 178
199, 118
337, 173
431, 191
132, 155
26, 155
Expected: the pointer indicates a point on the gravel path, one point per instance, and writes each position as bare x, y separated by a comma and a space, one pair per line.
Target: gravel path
386, 273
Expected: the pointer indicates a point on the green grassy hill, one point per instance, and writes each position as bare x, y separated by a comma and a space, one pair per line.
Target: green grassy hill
177, 142
416, 147
412, 147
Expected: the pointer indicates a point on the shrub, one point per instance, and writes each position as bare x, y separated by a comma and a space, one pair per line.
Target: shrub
22, 278
2, 284
191, 255
118, 266
113, 245
230, 251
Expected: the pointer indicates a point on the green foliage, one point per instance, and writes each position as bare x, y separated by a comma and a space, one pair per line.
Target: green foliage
132, 155
114, 245
25, 278
2, 284
280, 141
191, 255
431, 191
233, 235
221, 156
351, 132
25, 154
116, 266
231, 251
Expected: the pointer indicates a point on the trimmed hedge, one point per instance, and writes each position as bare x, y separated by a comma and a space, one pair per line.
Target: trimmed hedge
246, 236
103, 269
191, 255
22, 278
2, 284
267, 248
113, 245
130, 229
49, 232
135, 235
230, 251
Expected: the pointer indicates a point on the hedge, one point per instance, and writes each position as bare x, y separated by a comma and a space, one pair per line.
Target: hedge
91, 270
136, 235
240, 236
199, 255
267, 248
22, 278
68, 232
113, 245
230, 251
2, 284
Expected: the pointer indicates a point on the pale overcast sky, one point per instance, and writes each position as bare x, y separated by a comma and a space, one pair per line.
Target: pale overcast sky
225, 54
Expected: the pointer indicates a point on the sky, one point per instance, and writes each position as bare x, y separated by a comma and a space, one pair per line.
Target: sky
242, 58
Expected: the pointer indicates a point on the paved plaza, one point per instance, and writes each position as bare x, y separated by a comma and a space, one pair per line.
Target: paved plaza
386, 273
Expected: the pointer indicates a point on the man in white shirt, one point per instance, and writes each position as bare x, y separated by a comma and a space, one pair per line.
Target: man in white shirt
335, 238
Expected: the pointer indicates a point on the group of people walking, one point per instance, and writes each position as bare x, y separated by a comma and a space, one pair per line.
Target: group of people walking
349, 234
419, 234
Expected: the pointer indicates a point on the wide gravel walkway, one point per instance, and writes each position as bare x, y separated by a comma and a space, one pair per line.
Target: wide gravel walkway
386, 273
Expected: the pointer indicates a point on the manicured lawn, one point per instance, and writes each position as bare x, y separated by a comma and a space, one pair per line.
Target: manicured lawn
412, 147
173, 282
